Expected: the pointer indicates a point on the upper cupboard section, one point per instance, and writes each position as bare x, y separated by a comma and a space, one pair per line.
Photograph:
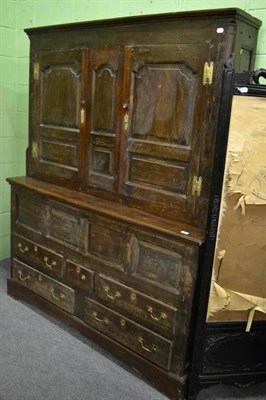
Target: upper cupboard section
125, 109
122, 122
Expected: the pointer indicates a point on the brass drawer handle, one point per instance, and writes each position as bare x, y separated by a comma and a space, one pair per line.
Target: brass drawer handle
149, 350
161, 316
95, 316
49, 266
22, 249
60, 297
23, 278
116, 295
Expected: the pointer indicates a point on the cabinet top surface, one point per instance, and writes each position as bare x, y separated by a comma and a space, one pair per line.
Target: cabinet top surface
186, 233
231, 14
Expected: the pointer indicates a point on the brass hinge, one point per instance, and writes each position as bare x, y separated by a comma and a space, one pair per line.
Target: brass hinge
196, 186
34, 150
36, 71
208, 73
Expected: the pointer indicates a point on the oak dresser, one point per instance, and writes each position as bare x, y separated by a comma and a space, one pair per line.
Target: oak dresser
109, 224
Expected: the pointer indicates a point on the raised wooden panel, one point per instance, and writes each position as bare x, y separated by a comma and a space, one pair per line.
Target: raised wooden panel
102, 161
107, 244
59, 153
104, 80
164, 175
102, 146
30, 213
64, 226
60, 107
162, 128
59, 92
158, 264
164, 101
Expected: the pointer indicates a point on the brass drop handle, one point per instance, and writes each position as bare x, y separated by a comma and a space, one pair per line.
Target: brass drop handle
22, 249
49, 266
95, 316
60, 297
149, 350
114, 296
161, 316
23, 278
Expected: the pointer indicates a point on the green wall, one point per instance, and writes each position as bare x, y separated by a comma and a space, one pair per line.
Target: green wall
14, 65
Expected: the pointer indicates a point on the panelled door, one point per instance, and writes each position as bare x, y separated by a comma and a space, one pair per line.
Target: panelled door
58, 116
163, 126
104, 90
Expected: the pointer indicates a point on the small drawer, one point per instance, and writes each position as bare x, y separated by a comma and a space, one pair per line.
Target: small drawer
79, 276
51, 290
157, 315
38, 256
144, 342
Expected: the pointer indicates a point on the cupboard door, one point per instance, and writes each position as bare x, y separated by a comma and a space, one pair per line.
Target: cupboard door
163, 125
58, 118
103, 140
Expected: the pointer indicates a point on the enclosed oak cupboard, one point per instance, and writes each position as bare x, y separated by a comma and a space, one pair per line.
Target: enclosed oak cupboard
109, 223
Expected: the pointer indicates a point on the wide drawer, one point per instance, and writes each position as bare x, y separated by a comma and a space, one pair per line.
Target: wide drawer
141, 340
156, 314
48, 288
39, 256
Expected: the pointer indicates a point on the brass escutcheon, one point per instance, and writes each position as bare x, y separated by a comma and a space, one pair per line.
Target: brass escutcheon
133, 296
122, 323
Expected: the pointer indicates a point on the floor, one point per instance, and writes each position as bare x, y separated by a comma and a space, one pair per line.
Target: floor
42, 359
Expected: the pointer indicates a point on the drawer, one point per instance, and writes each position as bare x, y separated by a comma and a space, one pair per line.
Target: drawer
79, 276
141, 340
158, 315
51, 290
38, 256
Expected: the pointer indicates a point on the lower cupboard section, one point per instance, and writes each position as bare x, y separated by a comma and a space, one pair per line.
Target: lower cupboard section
144, 342
130, 334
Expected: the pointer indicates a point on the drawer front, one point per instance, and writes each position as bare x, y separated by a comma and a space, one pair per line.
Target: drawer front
160, 316
141, 340
51, 290
79, 276
34, 254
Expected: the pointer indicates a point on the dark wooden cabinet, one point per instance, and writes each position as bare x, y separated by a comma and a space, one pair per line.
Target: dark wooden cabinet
110, 221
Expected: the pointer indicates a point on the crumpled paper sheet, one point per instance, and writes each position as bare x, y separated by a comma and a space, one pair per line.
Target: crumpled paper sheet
246, 158
226, 299
245, 174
